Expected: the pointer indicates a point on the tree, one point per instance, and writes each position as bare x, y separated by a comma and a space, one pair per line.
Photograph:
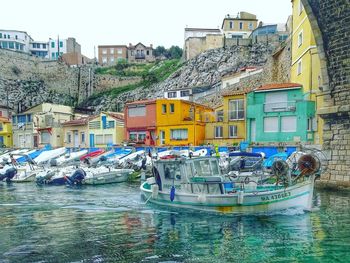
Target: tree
159, 51
175, 52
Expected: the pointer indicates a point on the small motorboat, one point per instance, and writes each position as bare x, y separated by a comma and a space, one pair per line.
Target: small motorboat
92, 154
68, 175
46, 156
7, 173
106, 175
67, 158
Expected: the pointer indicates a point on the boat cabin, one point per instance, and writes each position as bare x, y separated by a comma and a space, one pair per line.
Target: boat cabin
194, 175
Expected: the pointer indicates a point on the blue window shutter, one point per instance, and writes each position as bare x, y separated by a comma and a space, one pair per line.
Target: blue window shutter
104, 122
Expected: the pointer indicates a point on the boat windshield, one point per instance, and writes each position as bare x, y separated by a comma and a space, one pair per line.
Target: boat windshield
206, 167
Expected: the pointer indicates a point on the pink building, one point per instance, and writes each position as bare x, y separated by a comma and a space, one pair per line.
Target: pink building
140, 122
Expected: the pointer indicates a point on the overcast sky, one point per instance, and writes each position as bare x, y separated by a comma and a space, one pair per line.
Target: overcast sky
101, 22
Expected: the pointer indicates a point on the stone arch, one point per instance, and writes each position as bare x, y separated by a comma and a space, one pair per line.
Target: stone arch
330, 21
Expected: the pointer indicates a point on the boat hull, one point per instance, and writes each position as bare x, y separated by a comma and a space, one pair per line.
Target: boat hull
107, 177
297, 196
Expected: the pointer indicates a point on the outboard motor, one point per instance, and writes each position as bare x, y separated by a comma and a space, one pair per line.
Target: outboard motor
9, 174
76, 178
53, 162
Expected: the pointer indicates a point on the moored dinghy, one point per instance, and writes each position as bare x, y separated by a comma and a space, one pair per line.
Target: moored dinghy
197, 183
106, 175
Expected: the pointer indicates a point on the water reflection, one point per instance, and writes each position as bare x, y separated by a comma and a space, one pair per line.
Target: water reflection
103, 224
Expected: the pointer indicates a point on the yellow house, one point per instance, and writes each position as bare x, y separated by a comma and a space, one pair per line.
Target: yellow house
229, 125
305, 68
106, 129
5, 132
239, 26
181, 122
76, 132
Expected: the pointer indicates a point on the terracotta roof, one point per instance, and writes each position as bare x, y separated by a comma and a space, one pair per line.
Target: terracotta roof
116, 115
3, 119
235, 92
78, 122
141, 102
275, 86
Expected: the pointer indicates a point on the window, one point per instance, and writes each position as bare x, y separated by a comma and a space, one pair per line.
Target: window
178, 134
4, 36
14, 120
111, 60
53, 54
11, 45
61, 43
271, 124
44, 46
120, 51
147, 52
172, 108
240, 25
82, 135
1, 128
299, 67
16, 37
163, 108
288, 124
111, 51
21, 118
312, 124
29, 118
218, 131
250, 26
133, 136
141, 136
132, 52
94, 125
236, 109
137, 111
69, 137
45, 137
104, 51
232, 131
99, 139
110, 124
108, 139
34, 45
219, 115
300, 38
184, 93
0, 35
301, 7
104, 60
231, 24
53, 44
172, 94
276, 101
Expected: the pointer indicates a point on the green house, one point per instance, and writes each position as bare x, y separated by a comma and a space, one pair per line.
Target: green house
280, 113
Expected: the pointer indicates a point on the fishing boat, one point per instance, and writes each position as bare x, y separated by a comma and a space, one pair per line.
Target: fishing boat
92, 154
106, 175
68, 175
197, 183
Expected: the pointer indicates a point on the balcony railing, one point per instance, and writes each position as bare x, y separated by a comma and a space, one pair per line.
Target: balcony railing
280, 106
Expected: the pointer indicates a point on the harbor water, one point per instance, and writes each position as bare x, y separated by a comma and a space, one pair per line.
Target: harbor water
111, 223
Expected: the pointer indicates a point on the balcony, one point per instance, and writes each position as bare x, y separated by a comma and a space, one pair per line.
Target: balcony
140, 56
280, 106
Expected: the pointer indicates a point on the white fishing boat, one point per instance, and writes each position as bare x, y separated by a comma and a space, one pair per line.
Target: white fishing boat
198, 183
106, 175
70, 157
26, 173
48, 155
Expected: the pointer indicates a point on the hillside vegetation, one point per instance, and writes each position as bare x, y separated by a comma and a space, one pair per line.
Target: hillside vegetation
151, 73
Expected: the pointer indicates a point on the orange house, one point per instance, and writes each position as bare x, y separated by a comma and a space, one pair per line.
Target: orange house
140, 122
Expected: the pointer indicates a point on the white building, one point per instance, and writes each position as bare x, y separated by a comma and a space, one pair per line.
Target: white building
200, 32
39, 49
58, 47
183, 94
15, 40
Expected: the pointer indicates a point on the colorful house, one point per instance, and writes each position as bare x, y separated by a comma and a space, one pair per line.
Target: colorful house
5, 132
181, 122
279, 113
140, 122
76, 132
306, 68
229, 125
40, 125
106, 129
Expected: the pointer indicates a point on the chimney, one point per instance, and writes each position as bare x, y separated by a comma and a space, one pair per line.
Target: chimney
130, 45
151, 45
